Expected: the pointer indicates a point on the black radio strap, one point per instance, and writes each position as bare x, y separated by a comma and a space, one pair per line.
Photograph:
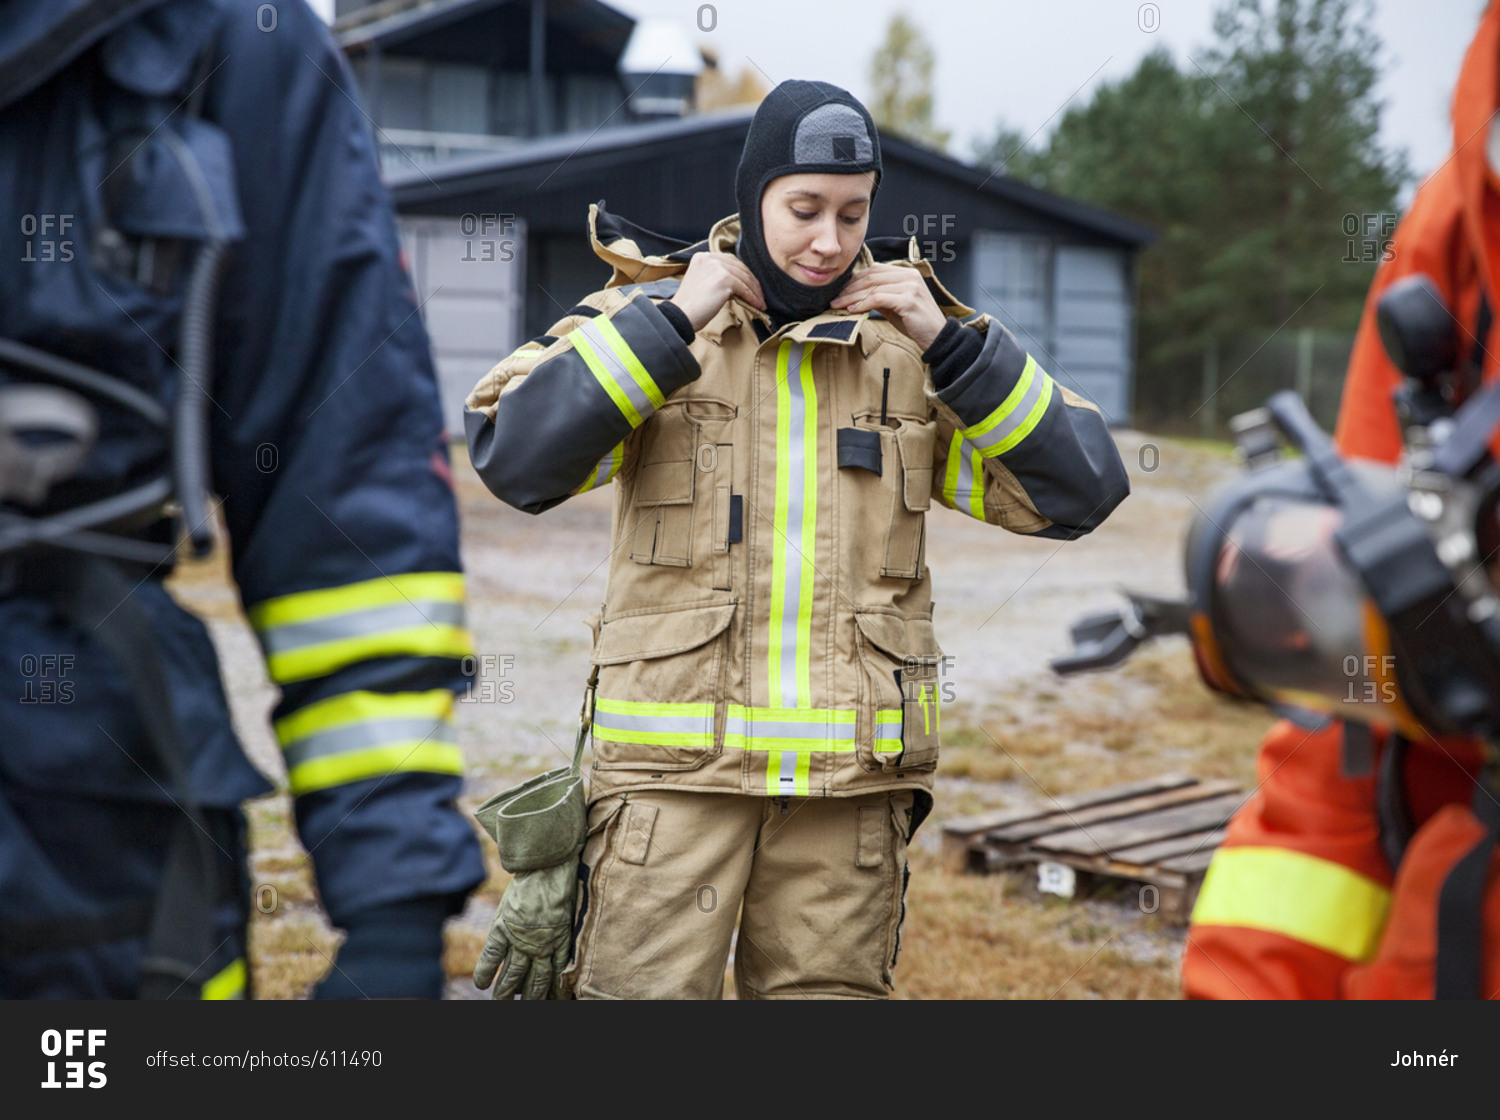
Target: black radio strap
92, 594
1460, 940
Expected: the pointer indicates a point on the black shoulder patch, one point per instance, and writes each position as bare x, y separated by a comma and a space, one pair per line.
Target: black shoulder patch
842, 330
582, 309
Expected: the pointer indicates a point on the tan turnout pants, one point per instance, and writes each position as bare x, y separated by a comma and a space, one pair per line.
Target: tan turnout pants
817, 886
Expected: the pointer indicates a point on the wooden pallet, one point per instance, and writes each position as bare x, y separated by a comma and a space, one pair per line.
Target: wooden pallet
1161, 832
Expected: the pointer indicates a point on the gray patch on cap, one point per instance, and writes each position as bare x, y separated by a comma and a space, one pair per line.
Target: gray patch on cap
833, 134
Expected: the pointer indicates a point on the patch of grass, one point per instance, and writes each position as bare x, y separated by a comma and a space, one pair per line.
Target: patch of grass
290, 951
1217, 448
982, 937
1152, 716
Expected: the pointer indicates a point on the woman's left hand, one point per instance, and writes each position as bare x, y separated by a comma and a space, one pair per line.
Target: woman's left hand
901, 295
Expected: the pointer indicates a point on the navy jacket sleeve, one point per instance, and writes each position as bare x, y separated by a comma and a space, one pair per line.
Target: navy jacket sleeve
329, 454
1015, 448
554, 418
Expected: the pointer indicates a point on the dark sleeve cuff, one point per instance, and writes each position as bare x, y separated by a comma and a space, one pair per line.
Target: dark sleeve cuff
393, 951
952, 352
679, 320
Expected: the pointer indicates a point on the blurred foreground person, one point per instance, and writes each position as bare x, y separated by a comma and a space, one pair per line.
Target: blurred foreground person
202, 292
1363, 866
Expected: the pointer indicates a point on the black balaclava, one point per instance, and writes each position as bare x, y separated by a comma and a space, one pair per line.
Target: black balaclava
799, 127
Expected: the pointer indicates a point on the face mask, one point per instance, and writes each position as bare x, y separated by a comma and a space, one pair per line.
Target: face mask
799, 127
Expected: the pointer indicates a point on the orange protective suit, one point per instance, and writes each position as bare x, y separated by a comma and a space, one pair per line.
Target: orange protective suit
1301, 901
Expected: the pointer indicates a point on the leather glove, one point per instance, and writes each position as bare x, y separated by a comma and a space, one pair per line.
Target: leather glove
531, 935
539, 827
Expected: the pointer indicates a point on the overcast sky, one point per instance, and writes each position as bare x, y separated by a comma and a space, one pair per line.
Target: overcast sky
1024, 61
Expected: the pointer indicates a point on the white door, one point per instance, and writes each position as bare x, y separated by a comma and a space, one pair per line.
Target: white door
469, 273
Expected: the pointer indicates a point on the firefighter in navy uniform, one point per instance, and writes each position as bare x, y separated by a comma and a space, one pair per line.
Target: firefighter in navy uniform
134, 138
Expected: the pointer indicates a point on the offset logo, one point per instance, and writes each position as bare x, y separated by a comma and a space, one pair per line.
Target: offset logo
67, 1044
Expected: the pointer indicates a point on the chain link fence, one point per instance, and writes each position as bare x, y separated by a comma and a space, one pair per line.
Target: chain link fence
1198, 393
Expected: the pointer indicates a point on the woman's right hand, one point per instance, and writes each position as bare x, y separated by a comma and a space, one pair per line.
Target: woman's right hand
709, 282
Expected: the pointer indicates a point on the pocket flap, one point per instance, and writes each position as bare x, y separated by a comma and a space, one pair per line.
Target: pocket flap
660, 633
665, 484
900, 637
917, 443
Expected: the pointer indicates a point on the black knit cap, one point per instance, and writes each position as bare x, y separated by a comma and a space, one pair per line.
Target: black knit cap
800, 127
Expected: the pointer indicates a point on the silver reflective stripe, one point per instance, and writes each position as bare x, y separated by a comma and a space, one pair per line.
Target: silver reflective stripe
795, 466
367, 734
1018, 414
963, 490
616, 721
781, 730
611, 361
602, 473
357, 624
787, 776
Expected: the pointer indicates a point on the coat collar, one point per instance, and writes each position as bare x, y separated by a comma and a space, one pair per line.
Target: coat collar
632, 265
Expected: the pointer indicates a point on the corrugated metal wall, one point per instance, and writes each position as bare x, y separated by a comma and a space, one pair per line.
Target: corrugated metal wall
1069, 305
469, 274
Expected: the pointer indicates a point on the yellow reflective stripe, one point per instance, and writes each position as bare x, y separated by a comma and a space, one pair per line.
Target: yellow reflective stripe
427, 640
227, 983
790, 730
1001, 430
789, 667
360, 735
821, 716
643, 708
361, 707
313, 633
605, 471
383, 591
628, 359
787, 774
950, 475
808, 543
927, 700
604, 377
963, 477
976, 485
341, 769
778, 553
1008, 405
1311, 900
888, 744
1033, 418
664, 725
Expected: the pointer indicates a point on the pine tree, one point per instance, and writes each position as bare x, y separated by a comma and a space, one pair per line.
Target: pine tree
901, 77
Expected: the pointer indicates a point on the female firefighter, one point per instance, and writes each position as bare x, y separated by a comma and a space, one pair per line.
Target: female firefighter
778, 405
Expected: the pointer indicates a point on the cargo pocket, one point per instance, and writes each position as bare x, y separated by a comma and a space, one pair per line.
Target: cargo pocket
905, 555
659, 678
898, 711
662, 512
